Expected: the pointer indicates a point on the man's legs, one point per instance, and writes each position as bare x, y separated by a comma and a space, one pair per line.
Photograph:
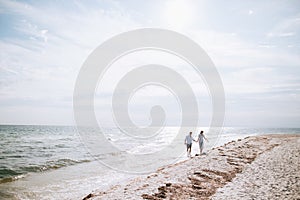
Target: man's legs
189, 148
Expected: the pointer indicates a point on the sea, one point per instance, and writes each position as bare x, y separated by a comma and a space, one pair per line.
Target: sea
54, 162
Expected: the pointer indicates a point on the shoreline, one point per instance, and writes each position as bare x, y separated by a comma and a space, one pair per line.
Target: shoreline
203, 176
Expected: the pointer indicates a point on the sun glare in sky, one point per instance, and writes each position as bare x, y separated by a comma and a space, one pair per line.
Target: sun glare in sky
179, 13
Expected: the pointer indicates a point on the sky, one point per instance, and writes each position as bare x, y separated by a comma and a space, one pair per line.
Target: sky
255, 46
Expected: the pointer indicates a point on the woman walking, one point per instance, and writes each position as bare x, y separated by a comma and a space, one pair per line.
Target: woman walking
200, 139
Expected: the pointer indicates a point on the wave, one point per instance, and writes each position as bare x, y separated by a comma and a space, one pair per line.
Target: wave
9, 175
12, 178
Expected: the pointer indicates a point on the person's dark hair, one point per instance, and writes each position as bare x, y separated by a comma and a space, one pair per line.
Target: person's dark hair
191, 132
201, 132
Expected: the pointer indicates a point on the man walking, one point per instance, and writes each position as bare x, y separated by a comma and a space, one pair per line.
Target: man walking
188, 141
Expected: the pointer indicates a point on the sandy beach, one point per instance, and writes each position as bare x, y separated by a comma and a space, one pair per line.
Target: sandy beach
256, 167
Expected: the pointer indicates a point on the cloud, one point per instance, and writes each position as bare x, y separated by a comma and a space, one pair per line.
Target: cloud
40, 59
232, 51
43, 63
3, 69
287, 34
286, 27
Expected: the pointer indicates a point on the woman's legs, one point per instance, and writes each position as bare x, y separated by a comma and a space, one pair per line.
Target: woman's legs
201, 147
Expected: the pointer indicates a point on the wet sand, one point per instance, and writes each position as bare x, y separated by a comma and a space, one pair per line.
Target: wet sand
258, 167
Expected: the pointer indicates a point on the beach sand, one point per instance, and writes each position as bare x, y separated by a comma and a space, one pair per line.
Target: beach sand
257, 167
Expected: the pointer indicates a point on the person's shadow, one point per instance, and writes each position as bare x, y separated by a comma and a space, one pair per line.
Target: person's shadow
200, 154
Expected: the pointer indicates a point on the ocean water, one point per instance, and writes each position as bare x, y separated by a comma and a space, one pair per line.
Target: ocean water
51, 162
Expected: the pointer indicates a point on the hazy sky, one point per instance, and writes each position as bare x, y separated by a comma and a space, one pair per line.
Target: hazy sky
255, 46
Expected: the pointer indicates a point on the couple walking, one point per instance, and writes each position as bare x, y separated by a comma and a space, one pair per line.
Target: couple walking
189, 140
